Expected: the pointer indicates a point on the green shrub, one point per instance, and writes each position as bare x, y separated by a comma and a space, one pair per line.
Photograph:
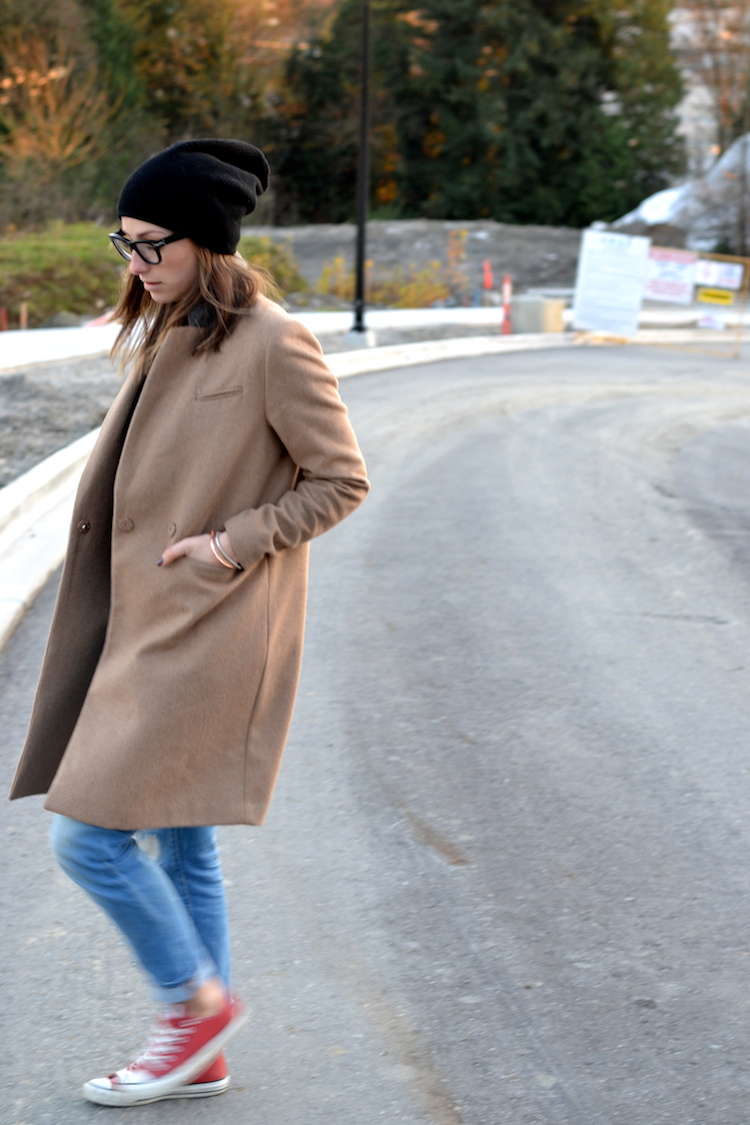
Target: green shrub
407, 288
277, 259
71, 268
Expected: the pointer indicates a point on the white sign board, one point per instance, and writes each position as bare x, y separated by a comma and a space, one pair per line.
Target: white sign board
671, 275
719, 275
610, 281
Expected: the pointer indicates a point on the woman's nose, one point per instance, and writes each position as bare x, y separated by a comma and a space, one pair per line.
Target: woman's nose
137, 265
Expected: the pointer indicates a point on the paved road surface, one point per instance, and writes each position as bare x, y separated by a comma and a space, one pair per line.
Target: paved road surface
504, 880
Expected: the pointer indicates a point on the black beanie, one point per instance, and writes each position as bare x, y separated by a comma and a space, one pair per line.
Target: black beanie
200, 189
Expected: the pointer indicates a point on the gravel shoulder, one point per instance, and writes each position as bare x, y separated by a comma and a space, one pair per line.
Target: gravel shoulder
45, 408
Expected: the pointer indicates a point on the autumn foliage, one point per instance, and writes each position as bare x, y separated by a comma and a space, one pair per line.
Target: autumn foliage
551, 111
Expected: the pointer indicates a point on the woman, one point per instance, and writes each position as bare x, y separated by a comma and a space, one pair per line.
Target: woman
170, 673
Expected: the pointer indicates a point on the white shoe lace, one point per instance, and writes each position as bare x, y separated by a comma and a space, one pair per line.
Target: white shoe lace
164, 1047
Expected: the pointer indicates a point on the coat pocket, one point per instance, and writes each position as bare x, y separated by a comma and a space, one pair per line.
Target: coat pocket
192, 592
209, 396
213, 571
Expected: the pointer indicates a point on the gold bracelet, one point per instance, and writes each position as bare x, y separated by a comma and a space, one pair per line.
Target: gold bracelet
217, 556
220, 553
234, 563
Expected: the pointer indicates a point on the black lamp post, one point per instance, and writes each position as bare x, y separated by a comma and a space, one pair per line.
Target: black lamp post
363, 171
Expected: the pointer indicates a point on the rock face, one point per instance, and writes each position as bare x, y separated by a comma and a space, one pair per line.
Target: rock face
701, 214
535, 256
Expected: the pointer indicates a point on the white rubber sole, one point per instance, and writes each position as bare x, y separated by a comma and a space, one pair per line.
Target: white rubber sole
174, 1085
203, 1090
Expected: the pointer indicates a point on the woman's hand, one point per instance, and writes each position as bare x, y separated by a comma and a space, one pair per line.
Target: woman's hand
196, 547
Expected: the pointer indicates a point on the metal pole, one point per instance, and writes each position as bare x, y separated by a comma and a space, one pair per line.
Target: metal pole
363, 171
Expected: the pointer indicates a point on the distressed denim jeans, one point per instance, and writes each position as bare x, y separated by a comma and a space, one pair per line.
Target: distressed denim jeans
170, 908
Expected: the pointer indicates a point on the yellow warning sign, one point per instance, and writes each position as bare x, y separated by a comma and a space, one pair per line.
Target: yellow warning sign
715, 296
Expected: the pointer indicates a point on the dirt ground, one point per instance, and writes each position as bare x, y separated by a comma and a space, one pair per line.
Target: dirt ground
45, 407
535, 257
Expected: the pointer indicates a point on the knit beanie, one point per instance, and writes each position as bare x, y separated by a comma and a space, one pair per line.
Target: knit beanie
200, 189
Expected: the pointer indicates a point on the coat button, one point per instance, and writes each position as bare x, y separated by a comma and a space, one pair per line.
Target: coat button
83, 525
172, 529
125, 524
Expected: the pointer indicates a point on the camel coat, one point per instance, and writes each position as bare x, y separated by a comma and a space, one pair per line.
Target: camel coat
166, 693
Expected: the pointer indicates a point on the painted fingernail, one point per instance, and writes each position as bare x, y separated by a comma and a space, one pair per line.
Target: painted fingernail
160, 562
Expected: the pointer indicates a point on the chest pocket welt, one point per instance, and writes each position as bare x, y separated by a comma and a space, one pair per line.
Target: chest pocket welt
210, 396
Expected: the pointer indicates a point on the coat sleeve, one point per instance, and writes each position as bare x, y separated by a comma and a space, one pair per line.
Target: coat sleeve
304, 409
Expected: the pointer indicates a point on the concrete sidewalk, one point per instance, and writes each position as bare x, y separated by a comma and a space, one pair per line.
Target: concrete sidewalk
49, 345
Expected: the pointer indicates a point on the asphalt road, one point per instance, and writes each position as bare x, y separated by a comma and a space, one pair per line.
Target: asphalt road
504, 879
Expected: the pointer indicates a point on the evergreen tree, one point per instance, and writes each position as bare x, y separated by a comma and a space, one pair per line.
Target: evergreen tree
313, 147
562, 153
556, 111
551, 111
313, 135
191, 56
646, 87
115, 42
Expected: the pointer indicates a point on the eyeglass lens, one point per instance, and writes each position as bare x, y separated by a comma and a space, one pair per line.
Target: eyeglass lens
146, 250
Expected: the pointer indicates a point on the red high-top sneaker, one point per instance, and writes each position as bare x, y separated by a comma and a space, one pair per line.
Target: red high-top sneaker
177, 1061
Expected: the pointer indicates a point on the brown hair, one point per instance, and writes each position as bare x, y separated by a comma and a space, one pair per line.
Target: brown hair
226, 286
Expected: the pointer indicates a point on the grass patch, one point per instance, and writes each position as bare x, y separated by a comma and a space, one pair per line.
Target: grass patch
71, 268
68, 267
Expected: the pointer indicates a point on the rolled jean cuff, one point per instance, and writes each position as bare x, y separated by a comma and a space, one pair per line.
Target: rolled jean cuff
179, 993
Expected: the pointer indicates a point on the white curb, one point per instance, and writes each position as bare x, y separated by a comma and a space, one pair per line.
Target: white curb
362, 362
34, 517
19, 350
26, 499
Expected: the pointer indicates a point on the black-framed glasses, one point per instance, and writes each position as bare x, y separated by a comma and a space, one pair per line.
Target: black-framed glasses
147, 249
